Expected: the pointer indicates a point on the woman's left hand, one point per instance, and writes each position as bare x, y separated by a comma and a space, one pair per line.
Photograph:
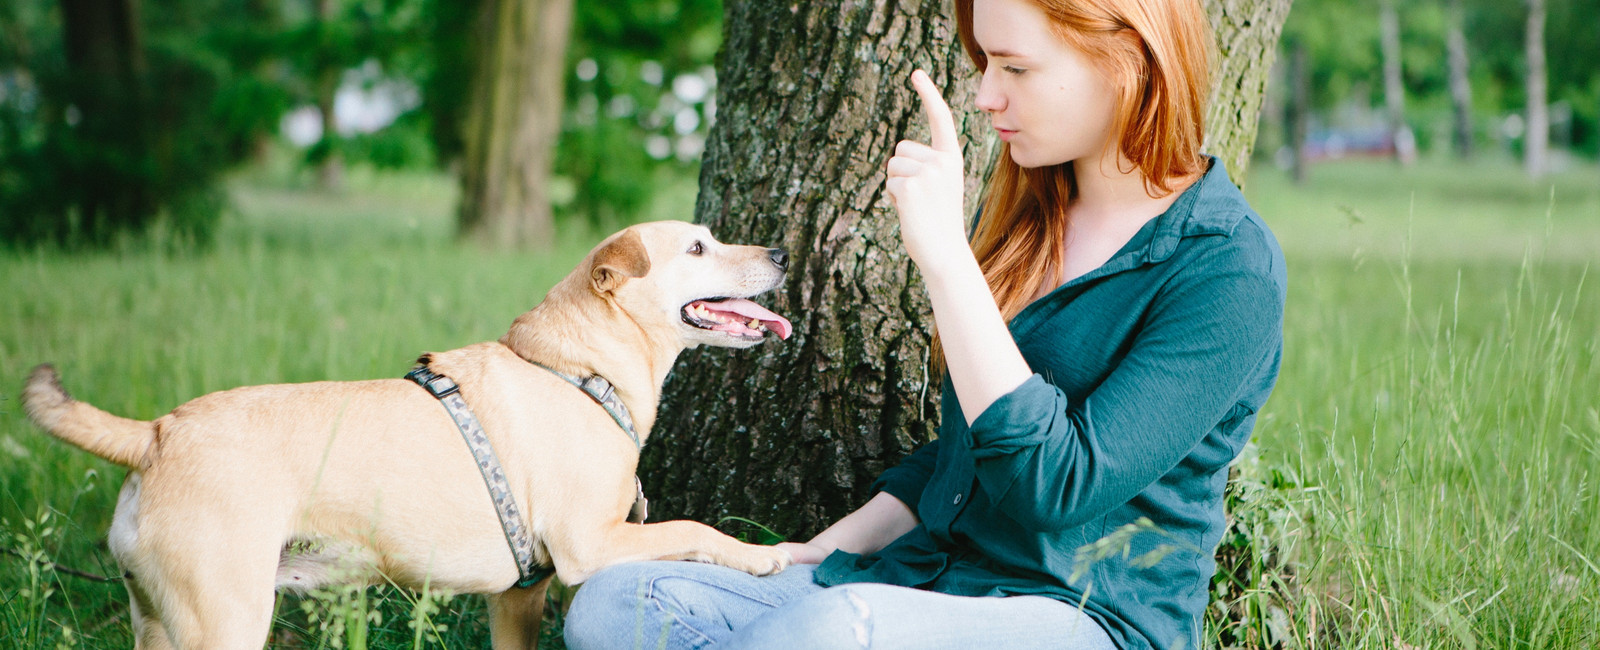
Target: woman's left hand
926, 181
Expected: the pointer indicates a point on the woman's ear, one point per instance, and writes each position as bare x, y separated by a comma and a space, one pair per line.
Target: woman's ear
622, 259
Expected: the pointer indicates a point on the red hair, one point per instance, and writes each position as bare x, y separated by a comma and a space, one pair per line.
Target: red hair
1157, 56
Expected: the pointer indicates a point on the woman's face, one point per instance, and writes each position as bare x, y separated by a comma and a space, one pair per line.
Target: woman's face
1044, 97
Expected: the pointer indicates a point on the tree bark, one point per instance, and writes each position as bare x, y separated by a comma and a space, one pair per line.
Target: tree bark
812, 98
513, 121
1394, 89
1247, 34
1460, 83
1537, 142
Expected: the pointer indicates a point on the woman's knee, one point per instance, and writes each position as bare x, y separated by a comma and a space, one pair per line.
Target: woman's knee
602, 602
833, 619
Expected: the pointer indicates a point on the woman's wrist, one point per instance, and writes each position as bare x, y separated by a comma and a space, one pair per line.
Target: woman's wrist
956, 267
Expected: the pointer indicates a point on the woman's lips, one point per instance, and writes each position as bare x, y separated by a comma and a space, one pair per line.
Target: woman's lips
1005, 134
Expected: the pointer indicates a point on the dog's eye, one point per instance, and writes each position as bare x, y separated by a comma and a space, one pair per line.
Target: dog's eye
697, 249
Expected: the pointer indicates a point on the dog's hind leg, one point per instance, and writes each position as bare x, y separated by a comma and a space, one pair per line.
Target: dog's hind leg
204, 600
148, 631
515, 615
207, 584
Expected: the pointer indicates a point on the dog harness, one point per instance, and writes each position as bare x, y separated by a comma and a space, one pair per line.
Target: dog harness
505, 504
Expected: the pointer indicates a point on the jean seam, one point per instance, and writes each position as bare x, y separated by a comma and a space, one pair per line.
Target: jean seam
651, 594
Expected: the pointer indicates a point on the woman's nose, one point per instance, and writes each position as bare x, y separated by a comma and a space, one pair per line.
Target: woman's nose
989, 99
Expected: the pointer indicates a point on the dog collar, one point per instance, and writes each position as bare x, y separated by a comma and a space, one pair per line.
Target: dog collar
604, 394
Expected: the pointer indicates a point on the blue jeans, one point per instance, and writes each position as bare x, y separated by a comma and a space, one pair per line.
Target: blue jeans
681, 605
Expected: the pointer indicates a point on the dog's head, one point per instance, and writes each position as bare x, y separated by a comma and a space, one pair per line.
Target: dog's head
671, 274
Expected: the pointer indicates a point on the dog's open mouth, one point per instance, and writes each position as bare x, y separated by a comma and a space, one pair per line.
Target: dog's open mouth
736, 317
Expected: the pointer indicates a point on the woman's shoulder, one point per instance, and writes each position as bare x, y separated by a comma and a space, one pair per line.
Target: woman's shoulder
1223, 233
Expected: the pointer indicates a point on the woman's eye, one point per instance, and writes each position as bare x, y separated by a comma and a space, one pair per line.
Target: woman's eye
697, 249
1012, 69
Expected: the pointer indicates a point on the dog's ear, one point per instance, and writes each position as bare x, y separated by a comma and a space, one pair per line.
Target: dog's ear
625, 257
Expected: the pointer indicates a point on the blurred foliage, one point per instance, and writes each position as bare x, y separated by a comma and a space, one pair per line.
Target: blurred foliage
1341, 39
220, 77
640, 101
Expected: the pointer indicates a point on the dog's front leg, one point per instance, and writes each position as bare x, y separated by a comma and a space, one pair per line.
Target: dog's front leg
515, 615
668, 540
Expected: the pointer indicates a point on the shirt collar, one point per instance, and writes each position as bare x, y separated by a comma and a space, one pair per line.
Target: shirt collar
1211, 206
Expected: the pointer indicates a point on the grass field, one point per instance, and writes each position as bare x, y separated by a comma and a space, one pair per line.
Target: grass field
1435, 426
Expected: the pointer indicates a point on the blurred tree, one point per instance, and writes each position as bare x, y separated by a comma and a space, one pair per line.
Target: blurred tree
1460, 81
811, 101
210, 79
1299, 110
512, 120
329, 72
106, 109
1538, 138
1394, 90
1485, 94
107, 122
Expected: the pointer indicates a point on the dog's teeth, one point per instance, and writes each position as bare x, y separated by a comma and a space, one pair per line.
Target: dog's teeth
755, 324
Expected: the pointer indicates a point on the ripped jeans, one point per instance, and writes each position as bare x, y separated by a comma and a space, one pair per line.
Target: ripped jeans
681, 605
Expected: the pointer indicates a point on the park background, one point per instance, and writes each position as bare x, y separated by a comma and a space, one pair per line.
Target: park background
179, 218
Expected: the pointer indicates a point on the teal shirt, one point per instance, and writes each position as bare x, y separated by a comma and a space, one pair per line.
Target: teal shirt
1149, 374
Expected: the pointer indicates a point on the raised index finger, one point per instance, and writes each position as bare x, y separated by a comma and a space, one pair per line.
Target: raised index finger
940, 123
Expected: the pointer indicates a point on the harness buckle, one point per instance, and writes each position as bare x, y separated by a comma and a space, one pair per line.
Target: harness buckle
436, 384
442, 386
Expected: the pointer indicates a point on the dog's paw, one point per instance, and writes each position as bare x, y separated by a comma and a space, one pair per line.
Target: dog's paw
758, 560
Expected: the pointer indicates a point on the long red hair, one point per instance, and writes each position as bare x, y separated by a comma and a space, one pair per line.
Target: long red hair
1157, 55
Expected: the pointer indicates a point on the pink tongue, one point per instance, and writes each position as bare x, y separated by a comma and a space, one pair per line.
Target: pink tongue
742, 307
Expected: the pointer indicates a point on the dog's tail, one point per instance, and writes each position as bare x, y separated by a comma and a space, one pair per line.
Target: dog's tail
119, 440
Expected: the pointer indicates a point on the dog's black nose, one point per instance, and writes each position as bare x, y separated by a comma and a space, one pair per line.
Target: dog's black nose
779, 257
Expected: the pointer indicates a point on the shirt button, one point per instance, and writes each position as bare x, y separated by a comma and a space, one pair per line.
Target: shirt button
957, 501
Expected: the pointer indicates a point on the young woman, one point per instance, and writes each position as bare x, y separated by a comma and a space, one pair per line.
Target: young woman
1109, 335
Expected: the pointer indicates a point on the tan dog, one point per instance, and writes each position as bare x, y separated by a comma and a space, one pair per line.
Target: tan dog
371, 479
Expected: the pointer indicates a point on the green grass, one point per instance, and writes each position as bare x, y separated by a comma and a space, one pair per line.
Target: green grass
1438, 397
1436, 415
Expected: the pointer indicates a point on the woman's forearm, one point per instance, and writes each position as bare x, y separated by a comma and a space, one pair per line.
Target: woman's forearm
871, 527
983, 360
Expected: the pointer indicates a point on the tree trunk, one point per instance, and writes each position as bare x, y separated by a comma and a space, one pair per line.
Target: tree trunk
1460, 83
812, 98
1394, 89
330, 169
1536, 145
107, 117
1299, 120
1247, 42
513, 121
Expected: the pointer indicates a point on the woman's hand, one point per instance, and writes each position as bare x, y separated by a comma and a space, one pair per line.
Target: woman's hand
804, 553
925, 181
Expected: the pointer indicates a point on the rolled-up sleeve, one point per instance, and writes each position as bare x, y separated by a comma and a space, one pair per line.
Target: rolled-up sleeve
1050, 464
907, 480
